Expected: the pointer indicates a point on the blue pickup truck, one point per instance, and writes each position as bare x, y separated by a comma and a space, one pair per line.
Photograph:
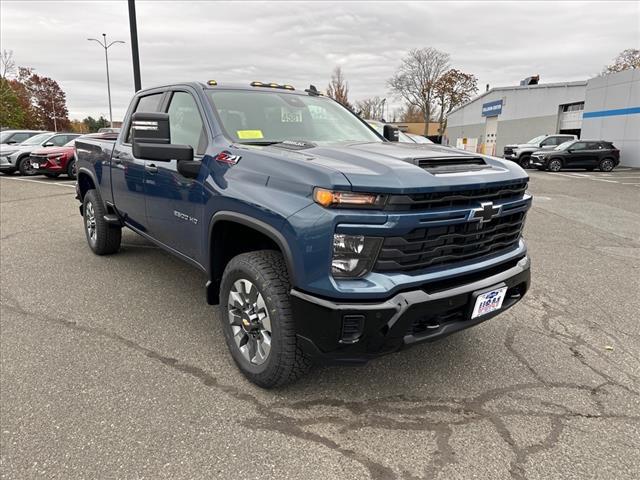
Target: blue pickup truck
322, 239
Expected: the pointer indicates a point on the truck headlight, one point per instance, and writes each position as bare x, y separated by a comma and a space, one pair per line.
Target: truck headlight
328, 198
353, 255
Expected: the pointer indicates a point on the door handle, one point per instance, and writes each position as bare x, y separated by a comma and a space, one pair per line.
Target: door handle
151, 168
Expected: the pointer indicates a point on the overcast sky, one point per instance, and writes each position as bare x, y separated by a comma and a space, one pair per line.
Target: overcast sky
301, 42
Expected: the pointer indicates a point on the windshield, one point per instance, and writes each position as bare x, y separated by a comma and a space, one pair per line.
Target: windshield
564, 146
537, 139
37, 140
4, 136
263, 117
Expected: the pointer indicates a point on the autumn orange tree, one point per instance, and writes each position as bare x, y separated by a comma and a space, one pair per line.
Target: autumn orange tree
453, 89
29, 100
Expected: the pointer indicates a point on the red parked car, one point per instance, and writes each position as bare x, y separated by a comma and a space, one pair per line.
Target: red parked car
53, 161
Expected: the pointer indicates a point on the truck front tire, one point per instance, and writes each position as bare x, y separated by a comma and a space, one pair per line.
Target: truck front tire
257, 320
525, 161
103, 238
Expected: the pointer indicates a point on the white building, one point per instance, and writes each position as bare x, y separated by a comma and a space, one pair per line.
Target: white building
602, 108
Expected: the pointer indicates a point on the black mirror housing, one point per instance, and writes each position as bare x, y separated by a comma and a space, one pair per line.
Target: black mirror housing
391, 133
151, 137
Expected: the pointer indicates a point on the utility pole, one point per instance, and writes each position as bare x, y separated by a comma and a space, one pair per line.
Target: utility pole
53, 106
133, 28
106, 46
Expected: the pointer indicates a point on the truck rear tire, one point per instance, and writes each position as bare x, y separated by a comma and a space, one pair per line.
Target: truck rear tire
103, 238
257, 320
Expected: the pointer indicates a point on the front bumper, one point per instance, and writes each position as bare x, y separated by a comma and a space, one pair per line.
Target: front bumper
326, 329
540, 162
6, 163
45, 165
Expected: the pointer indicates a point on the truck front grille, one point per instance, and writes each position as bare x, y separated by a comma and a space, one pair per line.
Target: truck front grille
457, 199
442, 245
508, 150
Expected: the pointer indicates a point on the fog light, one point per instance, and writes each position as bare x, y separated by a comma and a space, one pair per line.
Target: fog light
353, 255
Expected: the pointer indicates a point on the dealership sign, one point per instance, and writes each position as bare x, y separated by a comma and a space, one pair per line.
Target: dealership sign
491, 109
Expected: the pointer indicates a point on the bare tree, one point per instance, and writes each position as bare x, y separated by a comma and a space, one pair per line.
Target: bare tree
371, 108
416, 78
626, 60
7, 64
411, 114
338, 88
451, 90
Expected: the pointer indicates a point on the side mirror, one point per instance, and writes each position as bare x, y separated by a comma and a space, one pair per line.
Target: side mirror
10, 142
391, 133
49, 144
570, 150
151, 137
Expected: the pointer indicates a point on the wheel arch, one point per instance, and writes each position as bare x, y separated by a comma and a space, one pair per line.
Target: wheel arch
255, 234
86, 182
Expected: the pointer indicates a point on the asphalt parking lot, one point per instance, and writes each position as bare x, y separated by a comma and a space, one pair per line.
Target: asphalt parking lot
115, 367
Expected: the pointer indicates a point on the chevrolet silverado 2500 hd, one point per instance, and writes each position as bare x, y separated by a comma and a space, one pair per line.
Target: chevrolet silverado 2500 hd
322, 239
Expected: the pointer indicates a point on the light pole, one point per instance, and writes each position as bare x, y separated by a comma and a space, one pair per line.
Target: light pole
106, 46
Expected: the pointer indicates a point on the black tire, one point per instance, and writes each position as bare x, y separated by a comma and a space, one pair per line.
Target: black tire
103, 239
554, 165
606, 165
71, 169
52, 175
267, 271
8, 172
525, 161
24, 166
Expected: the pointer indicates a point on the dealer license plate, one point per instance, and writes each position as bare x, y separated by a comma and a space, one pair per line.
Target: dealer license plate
489, 302
35, 165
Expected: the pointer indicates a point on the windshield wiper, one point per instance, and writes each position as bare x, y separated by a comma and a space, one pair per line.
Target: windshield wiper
261, 142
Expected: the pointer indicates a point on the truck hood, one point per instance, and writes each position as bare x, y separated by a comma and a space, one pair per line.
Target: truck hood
406, 168
523, 145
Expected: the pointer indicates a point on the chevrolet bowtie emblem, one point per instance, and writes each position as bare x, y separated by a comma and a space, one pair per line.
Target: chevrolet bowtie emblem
485, 213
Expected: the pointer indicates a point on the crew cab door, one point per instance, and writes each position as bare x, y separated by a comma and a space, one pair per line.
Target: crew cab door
128, 172
174, 202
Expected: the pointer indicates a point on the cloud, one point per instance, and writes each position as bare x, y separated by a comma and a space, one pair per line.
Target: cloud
301, 42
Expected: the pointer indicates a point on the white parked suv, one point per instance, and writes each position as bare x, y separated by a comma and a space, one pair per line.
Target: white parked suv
521, 153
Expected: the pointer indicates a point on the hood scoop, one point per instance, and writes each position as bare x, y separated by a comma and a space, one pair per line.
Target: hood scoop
451, 164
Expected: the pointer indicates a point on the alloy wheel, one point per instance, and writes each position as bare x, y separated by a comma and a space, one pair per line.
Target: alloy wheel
606, 165
90, 219
250, 321
555, 165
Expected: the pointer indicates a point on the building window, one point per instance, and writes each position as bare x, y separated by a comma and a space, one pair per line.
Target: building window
573, 107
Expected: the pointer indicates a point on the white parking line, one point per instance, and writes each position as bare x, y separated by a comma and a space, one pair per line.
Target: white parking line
68, 184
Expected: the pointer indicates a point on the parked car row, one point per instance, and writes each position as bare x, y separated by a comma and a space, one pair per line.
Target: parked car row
48, 153
555, 152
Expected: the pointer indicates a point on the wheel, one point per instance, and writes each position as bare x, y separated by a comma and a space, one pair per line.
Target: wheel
52, 175
103, 238
257, 321
554, 165
606, 165
525, 161
71, 169
25, 167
